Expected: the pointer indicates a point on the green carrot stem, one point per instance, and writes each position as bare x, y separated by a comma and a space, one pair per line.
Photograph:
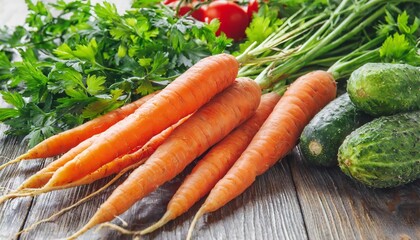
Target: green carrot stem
323, 46
346, 68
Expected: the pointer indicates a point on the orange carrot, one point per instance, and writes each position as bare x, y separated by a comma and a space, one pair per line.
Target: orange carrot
182, 97
278, 135
214, 165
204, 128
123, 162
40, 178
120, 166
33, 185
66, 140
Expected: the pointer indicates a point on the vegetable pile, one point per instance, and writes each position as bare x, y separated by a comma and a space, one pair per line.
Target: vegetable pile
150, 91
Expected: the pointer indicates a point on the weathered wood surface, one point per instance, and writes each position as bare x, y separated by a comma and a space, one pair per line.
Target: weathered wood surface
291, 201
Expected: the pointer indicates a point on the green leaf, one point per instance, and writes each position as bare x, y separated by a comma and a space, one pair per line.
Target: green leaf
30, 74
145, 62
145, 3
66, 77
160, 62
403, 25
122, 51
64, 52
106, 11
95, 84
13, 98
8, 113
75, 93
145, 87
82, 52
96, 108
262, 25
4, 61
395, 48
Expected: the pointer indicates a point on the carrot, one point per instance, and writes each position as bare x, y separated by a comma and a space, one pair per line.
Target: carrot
66, 140
214, 165
34, 185
204, 128
123, 162
276, 137
40, 178
183, 96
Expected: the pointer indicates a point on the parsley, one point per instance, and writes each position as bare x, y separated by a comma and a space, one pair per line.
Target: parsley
402, 46
263, 24
85, 60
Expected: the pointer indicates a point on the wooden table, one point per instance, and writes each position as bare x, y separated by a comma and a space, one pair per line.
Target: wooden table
291, 201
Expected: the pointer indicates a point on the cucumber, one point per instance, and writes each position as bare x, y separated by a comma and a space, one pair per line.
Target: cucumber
384, 152
385, 88
321, 138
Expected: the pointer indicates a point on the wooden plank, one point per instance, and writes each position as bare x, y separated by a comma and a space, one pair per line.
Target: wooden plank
337, 207
267, 210
13, 213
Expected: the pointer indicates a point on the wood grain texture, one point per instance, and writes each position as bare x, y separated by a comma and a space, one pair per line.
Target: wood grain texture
336, 207
13, 213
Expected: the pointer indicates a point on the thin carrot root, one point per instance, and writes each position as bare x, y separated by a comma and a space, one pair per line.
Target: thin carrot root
16, 160
166, 218
16, 194
197, 216
92, 223
57, 214
31, 192
6, 189
119, 229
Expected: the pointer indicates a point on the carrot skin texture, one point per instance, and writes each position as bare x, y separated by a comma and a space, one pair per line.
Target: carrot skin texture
203, 129
277, 137
182, 97
66, 140
221, 157
41, 177
34, 185
214, 165
122, 162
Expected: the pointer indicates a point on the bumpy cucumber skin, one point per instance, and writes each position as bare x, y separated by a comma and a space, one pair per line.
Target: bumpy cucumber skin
384, 88
321, 138
384, 152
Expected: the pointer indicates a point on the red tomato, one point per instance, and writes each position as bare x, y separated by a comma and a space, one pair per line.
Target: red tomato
166, 2
199, 14
233, 19
252, 8
184, 10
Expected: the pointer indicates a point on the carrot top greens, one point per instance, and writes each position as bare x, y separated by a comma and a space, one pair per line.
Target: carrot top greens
345, 34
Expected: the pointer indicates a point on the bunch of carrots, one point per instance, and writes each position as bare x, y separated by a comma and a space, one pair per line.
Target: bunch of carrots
207, 110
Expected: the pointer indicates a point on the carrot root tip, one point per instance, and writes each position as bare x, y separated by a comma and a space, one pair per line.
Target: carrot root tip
197, 216
16, 160
119, 229
166, 218
16, 194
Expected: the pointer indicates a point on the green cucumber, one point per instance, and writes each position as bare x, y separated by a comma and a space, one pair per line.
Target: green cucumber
384, 152
321, 138
385, 89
